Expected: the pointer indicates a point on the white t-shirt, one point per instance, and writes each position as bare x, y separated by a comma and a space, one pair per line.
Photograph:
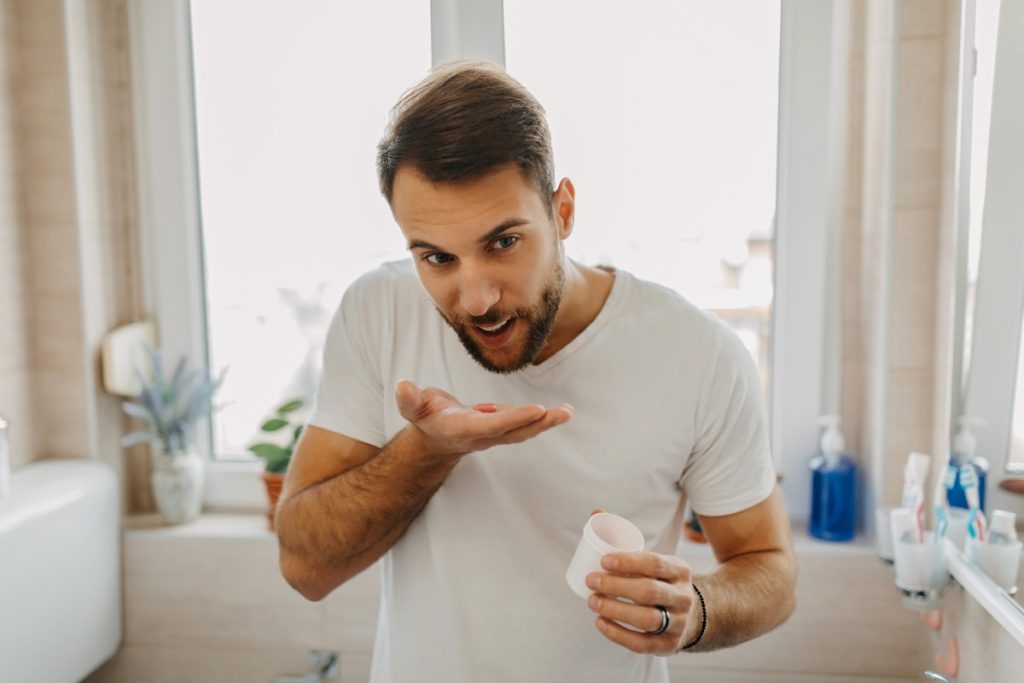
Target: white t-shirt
668, 406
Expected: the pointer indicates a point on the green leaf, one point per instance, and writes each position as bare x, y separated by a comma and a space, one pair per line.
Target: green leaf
269, 452
278, 465
274, 424
290, 406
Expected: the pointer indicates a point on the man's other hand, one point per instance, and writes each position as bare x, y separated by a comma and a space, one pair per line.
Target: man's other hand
630, 591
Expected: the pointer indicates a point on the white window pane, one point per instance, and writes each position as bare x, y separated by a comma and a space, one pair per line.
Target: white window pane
291, 99
664, 115
1016, 457
986, 24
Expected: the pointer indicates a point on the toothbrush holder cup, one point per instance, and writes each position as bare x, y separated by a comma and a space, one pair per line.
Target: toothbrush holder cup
883, 531
920, 567
1000, 561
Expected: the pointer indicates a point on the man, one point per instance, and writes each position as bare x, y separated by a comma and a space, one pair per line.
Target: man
528, 390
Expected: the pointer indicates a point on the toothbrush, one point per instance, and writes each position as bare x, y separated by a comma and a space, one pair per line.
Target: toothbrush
919, 520
941, 522
914, 474
969, 482
949, 479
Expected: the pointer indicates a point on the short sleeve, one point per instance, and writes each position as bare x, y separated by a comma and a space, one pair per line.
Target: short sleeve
730, 467
349, 397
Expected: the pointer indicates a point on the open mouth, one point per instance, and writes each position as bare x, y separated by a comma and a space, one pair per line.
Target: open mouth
495, 329
493, 336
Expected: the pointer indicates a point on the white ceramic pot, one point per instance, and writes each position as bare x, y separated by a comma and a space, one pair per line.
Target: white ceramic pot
178, 485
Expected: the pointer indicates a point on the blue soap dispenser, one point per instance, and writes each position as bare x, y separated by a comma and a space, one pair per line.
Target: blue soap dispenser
834, 486
963, 451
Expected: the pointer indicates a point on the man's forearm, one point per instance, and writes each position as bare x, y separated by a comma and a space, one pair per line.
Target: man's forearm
745, 597
339, 526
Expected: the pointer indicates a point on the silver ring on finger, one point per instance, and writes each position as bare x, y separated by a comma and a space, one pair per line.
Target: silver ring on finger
665, 620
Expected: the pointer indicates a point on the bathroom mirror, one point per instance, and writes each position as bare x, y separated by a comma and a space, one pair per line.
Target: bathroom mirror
990, 236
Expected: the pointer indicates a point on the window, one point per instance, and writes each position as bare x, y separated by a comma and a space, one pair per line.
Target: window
278, 133
287, 123
664, 115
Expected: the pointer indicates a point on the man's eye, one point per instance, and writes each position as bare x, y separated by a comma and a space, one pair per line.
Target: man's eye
505, 242
438, 259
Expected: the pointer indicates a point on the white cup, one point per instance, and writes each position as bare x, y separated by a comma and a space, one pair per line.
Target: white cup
999, 561
920, 567
957, 529
884, 532
602, 534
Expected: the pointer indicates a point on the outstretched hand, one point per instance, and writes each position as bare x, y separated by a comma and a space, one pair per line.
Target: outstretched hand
453, 429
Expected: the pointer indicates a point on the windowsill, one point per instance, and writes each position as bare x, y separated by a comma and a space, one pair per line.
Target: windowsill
253, 526
209, 525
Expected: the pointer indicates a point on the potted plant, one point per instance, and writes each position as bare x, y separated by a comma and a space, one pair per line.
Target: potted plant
171, 408
276, 456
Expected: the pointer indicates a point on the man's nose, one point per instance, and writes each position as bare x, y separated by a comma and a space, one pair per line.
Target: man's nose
478, 293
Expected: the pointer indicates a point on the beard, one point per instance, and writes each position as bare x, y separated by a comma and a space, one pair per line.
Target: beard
539, 320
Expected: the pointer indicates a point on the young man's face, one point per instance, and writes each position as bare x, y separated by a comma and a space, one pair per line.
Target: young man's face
490, 257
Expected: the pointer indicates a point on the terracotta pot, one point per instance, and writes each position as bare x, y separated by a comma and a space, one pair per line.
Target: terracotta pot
273, 481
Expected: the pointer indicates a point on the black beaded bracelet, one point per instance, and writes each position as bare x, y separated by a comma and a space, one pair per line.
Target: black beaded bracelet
703, 623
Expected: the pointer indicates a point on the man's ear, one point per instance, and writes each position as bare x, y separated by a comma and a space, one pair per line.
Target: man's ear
563, 205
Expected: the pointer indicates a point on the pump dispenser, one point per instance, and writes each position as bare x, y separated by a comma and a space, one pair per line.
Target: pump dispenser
963, 452
834, 486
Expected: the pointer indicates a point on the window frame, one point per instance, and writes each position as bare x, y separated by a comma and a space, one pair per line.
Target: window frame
811, 141
990, 387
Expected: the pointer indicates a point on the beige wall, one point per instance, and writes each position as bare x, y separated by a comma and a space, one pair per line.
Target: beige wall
42, 387
896, 364
69, 251
896, 241
110, 283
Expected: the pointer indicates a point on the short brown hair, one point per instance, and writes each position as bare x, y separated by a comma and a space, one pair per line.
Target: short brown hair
464, 121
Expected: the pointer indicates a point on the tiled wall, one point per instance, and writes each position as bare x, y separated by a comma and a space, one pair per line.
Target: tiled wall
104, 158
42, 386
67, 222
896, 280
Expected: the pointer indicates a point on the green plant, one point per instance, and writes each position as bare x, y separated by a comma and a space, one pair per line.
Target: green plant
171, 407
275, 456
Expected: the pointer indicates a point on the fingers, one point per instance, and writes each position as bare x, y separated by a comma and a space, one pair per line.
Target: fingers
643, 643
666, 567
643, 590
597, 511
410, 401
506, 419
643, 617
456, 426
548, 419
